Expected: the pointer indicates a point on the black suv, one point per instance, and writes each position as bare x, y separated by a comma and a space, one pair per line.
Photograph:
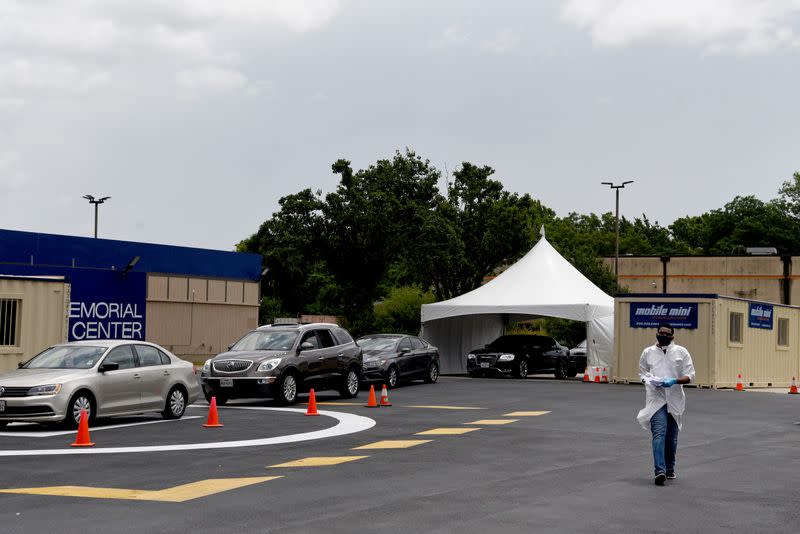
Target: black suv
519, 355
279, 361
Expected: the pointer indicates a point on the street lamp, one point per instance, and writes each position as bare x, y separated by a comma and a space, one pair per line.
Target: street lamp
616, 188
96, 202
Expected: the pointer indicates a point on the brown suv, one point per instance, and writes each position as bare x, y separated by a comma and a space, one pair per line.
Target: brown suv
279, 361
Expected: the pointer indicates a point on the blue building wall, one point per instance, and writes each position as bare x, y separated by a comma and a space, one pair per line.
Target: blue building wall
50, 250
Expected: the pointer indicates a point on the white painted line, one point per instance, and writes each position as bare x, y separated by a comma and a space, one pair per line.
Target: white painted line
347, 424
51, 433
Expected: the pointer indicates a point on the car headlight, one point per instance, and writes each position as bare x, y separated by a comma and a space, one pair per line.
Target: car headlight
372, 363
505, 358
49, 389
268, 365
470, 356
207, 366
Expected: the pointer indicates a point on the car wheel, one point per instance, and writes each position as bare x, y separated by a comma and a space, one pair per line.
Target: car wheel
287, 389
433, 373
392, 377
81, 400
349, 387
176, 404
521, 369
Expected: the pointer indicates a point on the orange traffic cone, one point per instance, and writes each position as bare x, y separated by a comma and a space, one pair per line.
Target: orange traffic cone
604, 380
372, 403
312, 404
586, 375
213, 419
793, 388
739, 386
385, 397
83, 432
597, 375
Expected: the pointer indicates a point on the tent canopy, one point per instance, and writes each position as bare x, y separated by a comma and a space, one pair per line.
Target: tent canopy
541, 283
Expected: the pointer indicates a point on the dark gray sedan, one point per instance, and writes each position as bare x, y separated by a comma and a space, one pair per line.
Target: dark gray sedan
392, 358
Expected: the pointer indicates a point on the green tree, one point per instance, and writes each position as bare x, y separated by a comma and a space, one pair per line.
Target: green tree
399, 312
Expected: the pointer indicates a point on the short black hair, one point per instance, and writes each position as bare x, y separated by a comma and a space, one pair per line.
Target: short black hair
667, 325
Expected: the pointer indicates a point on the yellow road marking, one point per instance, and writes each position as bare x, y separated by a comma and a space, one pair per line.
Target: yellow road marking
493, 422
320, 461
524, 414
448, 407
393, 444
183, 493
446, 431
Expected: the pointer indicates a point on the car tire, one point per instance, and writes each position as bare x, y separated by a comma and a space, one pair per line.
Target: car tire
521, 369
349, 385
80, 400
433, 373
175, 405
392, 377
287, 389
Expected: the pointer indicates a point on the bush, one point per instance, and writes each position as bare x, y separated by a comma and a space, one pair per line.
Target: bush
400, 311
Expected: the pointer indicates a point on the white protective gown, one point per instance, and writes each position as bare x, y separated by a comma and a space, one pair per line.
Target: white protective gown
674, 363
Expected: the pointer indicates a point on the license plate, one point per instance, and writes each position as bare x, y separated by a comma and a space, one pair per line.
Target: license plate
484, 365
2, 406
226, 382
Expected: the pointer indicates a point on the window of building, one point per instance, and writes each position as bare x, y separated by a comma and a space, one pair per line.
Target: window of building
783, 332
735, 327
9, 322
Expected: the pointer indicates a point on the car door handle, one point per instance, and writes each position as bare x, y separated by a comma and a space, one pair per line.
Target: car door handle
340, 354
321, 358
137, 375
166, 373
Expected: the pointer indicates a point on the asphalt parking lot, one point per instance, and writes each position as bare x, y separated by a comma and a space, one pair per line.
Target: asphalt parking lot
463, 455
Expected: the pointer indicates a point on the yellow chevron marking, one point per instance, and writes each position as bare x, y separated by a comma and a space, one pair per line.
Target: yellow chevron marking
183, 493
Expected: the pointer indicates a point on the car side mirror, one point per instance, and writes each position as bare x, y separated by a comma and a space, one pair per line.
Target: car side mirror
405, 350
306, 345
20, 365
110, 366
230, 346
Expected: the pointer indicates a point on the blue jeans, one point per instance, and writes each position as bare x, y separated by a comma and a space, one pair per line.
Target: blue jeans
665, 441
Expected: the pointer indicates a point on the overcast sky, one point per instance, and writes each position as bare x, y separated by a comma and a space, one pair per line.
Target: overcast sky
196, 116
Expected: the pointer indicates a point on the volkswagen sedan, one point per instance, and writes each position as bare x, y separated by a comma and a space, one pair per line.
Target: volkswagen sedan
104, 378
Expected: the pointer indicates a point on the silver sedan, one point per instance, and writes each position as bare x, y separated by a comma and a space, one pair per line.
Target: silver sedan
105, 378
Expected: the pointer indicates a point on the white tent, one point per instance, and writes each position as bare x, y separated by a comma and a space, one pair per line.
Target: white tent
541, 284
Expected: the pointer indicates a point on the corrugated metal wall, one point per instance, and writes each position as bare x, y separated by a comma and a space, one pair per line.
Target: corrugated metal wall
717, 360
630, 342
758, 357
196, 317
42, 317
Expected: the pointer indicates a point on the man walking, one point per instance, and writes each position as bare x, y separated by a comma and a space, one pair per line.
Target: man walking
661, 367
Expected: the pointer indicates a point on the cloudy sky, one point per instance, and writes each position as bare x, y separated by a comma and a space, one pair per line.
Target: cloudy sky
196, 116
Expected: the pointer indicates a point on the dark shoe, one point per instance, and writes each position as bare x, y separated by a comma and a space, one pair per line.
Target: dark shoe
671, 476
660, 479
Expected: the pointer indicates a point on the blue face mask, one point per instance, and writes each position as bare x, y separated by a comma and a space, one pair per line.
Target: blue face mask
664, 340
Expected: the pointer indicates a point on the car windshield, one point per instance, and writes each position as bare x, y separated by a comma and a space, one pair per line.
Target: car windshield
581, 345
507, 341
378, 343
66, 357
266, 340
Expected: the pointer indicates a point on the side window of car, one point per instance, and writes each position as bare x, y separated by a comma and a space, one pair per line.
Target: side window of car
310, 337
148, 356
404, 344
122, 355
342, 336
416, 344
326, 337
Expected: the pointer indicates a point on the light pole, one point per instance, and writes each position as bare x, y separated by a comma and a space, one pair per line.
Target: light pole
616, 188
96, 202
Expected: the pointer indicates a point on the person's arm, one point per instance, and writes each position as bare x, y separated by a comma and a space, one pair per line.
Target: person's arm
643, 367
686, 371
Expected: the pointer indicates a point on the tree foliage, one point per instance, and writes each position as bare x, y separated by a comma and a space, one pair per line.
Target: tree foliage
389, 234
